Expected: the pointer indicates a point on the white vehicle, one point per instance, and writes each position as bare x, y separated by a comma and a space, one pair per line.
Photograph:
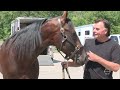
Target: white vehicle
115, 37
84, 32
22, 22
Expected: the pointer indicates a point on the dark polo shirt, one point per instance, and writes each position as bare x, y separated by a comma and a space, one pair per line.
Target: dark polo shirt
109, 50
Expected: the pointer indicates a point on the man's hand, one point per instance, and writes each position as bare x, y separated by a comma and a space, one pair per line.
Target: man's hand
93, 57
69, 63
64, 64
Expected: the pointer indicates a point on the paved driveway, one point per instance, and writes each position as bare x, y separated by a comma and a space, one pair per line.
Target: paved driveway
55, 72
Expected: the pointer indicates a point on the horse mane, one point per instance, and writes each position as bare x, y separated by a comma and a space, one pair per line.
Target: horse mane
25, 42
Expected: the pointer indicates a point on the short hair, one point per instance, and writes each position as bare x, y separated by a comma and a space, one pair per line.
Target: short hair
106, 25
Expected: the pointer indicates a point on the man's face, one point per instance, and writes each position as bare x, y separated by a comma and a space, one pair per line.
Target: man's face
99, 30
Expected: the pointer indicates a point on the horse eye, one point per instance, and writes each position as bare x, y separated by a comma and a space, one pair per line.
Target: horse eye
74, 34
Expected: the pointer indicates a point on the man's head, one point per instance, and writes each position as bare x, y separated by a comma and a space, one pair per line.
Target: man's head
101, 28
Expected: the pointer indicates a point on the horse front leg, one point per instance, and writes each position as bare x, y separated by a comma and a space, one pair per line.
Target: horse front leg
34, 70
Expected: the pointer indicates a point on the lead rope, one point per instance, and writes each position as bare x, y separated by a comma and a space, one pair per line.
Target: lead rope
66, 60
63, 70
63, 67
64, 39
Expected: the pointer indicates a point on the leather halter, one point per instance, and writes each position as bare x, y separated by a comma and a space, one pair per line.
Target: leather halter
77, 48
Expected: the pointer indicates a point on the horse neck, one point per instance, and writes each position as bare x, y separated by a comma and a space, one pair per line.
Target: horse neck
47, 34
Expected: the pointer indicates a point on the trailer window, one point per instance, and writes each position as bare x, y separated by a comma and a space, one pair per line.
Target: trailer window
79, 33
87, 32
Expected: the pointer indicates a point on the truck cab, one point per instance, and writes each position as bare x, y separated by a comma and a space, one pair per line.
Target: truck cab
115, 37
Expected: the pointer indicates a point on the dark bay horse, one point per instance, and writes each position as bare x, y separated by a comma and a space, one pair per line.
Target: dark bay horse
18, 54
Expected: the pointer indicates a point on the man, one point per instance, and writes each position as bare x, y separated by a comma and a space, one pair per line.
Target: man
103, 54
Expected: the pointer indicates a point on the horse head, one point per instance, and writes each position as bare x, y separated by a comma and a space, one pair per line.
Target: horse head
61, 33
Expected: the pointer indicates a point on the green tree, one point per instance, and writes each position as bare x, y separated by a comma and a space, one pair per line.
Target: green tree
78, 18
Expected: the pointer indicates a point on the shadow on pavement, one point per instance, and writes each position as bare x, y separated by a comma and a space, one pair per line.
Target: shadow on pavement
56, 61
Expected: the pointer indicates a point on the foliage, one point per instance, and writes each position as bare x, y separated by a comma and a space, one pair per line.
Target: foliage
78, 18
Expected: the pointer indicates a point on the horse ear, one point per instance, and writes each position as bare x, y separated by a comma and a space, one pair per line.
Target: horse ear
64, 16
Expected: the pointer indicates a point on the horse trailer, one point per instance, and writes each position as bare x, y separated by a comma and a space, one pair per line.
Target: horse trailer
84, 32
20, 22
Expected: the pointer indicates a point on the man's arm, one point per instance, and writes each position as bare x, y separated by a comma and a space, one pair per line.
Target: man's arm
70, 63
107, 64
